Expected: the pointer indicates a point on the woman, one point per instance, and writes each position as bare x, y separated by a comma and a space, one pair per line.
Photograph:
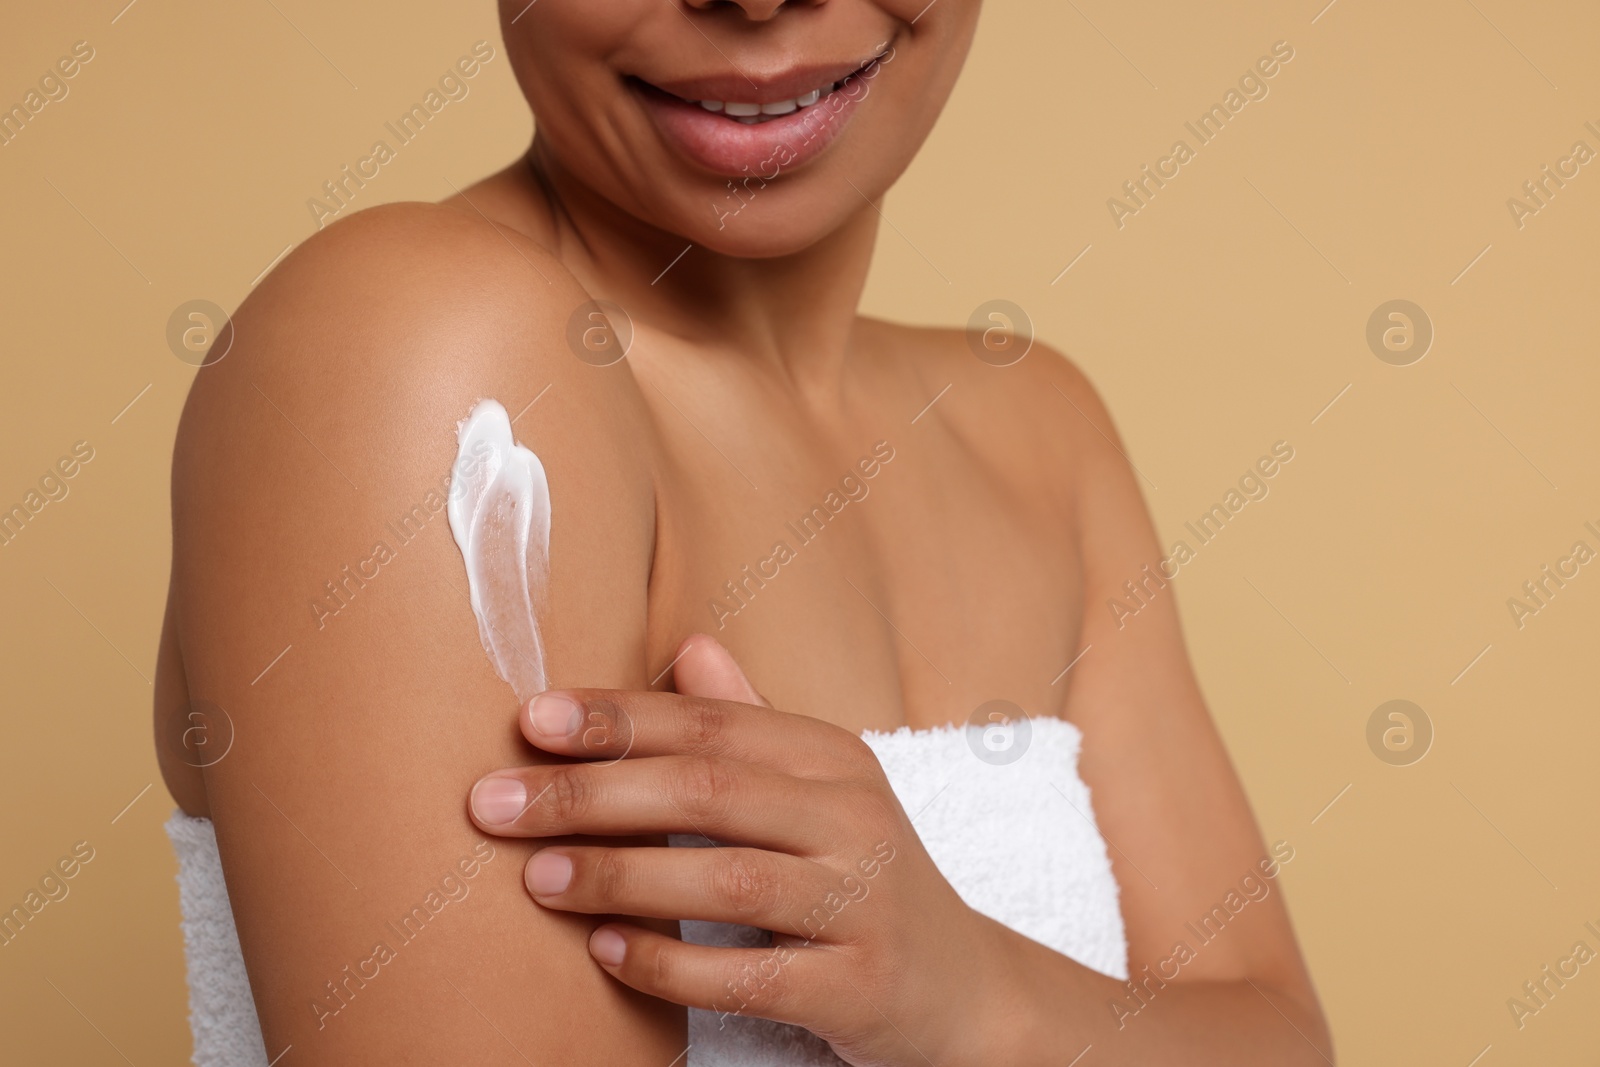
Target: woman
890, 532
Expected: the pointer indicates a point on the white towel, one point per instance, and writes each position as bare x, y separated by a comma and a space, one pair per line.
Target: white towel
222, 1014
1017, 840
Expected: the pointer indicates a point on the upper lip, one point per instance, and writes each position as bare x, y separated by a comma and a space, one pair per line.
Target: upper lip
755, 87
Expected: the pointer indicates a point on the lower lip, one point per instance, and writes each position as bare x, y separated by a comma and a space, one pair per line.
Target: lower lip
733, 149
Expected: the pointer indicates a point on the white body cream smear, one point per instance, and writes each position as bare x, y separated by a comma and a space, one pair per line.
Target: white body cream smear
499, 512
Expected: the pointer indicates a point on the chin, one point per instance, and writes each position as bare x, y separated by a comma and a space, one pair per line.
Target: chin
777, 220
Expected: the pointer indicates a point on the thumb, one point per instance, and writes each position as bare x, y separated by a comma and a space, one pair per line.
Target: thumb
705, 669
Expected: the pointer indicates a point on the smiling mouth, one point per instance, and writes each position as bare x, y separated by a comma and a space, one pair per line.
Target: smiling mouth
752, 112
735, 125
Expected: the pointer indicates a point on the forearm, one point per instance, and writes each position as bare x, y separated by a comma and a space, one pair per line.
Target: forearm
1043, 1008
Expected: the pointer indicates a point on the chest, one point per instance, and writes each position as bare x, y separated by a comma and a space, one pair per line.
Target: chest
890, 575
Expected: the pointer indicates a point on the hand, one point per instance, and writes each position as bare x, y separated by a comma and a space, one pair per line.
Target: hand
872, 949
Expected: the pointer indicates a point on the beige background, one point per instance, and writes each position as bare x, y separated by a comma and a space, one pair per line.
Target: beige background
1226, 315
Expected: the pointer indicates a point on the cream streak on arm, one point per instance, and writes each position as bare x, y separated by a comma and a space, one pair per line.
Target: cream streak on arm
499, 514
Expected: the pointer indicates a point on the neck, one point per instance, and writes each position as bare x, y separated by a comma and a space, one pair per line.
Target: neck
790, 315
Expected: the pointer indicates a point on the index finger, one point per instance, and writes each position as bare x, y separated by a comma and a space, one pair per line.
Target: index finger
613, 724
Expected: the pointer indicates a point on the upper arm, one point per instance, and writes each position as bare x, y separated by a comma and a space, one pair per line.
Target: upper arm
321, 601
1165, 792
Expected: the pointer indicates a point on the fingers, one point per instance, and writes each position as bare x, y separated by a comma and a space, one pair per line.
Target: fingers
780, 983
725, 800
748, 886
608, 724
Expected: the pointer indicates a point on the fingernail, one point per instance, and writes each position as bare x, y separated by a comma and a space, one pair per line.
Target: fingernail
498, 800
549, 873
553, 716
607, 946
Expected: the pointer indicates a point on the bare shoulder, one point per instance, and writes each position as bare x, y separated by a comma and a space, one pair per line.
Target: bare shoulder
351, 365
416, 295
1010, 389
319, 599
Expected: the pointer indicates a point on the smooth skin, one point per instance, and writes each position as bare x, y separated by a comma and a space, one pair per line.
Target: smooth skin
976, 568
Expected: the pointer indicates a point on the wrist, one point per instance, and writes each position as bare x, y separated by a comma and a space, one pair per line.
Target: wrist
1004, 1008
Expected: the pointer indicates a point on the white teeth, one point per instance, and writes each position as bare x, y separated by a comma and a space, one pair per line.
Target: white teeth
750, 113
